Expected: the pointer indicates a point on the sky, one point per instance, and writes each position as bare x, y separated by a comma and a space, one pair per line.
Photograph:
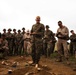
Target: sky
22, 13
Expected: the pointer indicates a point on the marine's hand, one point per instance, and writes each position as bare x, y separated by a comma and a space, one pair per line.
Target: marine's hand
59, 33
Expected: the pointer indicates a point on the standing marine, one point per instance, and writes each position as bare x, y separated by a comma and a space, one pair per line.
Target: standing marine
37, 33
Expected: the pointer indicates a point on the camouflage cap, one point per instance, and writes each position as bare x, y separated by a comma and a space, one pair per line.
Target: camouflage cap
4, 29
71, 30
9, 29
47, 26
23, 28
19, 30
14, 29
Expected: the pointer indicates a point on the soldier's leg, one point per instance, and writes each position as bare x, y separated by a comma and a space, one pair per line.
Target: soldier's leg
59, 48
11, 48
1, 53
48, 50
5, 53
33, 53
51, 48
45, 49
53, 44
20, 49
74, 49
38, 52
16, 51
62, 49
25, 47
71, 49
65, 46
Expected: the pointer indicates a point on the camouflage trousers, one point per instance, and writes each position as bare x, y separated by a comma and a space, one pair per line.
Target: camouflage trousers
36, 51
63, 43
49, 48
4, 52
74, 47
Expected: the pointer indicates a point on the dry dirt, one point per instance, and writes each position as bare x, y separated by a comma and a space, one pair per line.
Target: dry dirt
48, 67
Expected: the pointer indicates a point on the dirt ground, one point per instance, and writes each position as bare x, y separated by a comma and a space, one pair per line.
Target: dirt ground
21, 66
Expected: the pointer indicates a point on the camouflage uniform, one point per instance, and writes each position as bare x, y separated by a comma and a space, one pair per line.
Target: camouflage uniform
73, 43
14, 41
23, 32
9, 38
49, 39
53, 42
4, 32
19, 38
3, 46
37, 41
62, 35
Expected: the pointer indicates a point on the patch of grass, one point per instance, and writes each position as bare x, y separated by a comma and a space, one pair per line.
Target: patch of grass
54, 55
72, 58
